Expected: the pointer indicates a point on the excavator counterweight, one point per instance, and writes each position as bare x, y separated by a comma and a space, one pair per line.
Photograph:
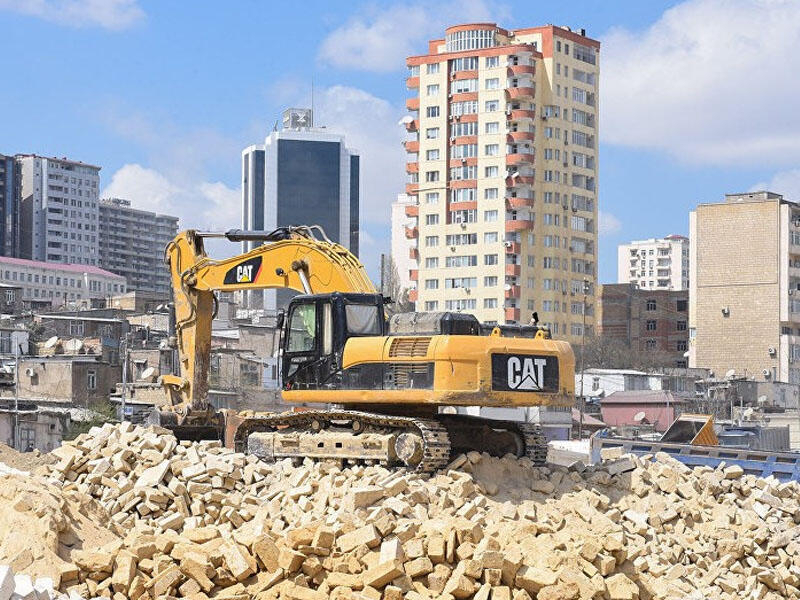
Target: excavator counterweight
391, 393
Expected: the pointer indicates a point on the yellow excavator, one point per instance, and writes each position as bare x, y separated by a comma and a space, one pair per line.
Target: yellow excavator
387, 390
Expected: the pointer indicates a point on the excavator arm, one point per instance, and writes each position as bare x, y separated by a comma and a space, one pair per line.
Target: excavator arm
297, 258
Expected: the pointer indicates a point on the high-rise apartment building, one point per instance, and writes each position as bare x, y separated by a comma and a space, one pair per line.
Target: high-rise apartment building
744, 287
59, 209
502, 161
9, 207
310, 177
132, 244
404, 247
656, 264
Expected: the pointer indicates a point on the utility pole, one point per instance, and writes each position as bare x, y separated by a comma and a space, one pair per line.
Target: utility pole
383, 269
16, 395
583, 346
124, 375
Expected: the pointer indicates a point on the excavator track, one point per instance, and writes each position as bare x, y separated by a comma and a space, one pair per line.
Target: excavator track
426, 441
420, 444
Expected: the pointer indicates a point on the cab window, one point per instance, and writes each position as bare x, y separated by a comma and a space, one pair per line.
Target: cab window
302, 328
362, 319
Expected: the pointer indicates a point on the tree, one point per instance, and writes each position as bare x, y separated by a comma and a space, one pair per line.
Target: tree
606, 352
393, 288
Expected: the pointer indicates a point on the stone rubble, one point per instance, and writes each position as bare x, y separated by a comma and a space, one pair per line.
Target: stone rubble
194, 520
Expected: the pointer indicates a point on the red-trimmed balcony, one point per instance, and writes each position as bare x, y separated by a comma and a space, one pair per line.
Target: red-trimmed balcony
470, 118
520, 180
518, 158
412, 210
413, 295
412, 189
464, 97
467, 205
412, 126
517, 70
518, 225
413, 253
513, 247
463, 162
518, 114
412, 103
413, 274
412, 233
463, 139
512, 314
411, 145
412, 167
464, 75
517, 203
520, 136
521, 92
513, 270
412, 83
457, 184
513, 292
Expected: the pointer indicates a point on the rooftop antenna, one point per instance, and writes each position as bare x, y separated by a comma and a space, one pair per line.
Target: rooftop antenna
312, 102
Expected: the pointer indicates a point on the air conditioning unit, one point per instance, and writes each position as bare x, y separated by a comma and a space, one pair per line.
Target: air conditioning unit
29, 372
791, 292
508, 244
766, 373
726, 311
772, 351
463, 225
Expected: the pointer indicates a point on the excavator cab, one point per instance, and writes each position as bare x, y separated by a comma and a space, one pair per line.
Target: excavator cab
315, 330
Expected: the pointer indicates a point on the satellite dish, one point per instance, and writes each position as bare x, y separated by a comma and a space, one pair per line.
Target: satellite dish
73, 345
686, 354
730, 373
507, 287
51, 342
406, 120
148, 373
639, 416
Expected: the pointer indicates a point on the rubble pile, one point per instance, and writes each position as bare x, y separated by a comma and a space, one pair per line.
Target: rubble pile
195, 520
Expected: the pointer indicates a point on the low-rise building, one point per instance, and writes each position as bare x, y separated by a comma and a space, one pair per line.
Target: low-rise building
68, 380
646, 320
655, 408
46, 285
40, 428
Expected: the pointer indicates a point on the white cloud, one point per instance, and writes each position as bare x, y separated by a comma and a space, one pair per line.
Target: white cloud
710, 82
608, 223
381, 39
202, 205
783, 182
108, 14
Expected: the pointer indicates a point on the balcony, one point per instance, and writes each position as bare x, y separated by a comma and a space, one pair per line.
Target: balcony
520, 136
411, 146
412, 210
517, 70
412, 295
413, 274
412, 103
520, 180
412, 167
519, 158
513, 247
518, 225
412, 83
464, 75
520, 114
413, 253
412, 126
513, 292
515, 93
412, 233
512, 314
513, 270
412, 189
516, 203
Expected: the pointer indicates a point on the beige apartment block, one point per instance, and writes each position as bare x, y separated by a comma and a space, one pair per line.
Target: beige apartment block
655, 264
744, 303
502, 173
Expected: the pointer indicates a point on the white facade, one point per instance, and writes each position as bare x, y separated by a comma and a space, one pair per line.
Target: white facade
657, 264
59, 210
59, 284
404, 249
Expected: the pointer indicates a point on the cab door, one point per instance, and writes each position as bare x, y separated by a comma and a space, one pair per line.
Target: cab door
308, 344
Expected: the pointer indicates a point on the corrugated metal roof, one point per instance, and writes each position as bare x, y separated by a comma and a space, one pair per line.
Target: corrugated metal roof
642, 397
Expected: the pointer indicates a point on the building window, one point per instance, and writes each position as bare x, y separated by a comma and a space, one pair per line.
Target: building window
432, 154
432, 198
490, 216
492, 61
431, 219
433, 90
490, 237
431, 305
490, 259
492, 105
433, 68
490, 194
493, 127
431, 284
491, 172
682, 305
492, 149
681, 325
10, 295
490, 281
432, 262
651, 305
493, 83
431, 241
76, 328
681, 346
432, 133
651, 325
490, 303
432, 111
650, 344
91, 379
431, 176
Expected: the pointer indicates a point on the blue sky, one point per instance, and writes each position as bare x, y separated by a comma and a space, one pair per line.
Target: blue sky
695, 99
